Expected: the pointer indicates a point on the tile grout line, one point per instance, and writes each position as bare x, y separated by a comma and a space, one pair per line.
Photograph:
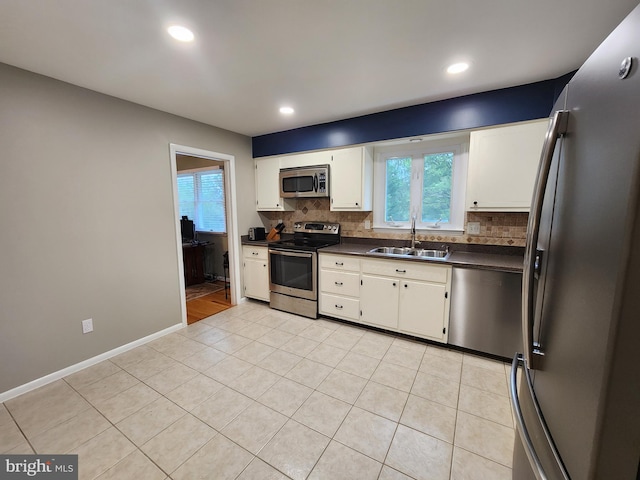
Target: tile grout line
137, 447
400, 418
315, 389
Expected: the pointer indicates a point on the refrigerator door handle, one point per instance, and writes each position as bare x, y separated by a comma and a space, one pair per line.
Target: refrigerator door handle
529, 449
557, 128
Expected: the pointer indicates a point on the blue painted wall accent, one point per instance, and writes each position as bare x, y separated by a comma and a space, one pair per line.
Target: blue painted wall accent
514, 104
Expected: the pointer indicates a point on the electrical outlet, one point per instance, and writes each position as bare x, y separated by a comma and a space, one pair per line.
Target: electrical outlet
473, 228
87, 325
367, 224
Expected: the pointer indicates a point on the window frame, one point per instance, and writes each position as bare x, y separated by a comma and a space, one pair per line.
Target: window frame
417, 151
194, 172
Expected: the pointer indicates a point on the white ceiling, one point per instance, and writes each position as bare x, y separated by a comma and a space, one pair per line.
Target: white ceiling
329, 59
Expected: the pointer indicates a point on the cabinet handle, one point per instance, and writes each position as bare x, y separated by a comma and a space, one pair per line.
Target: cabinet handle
401, 271
338, 283
254, 253
406, 286
339, 307
475, 204
394, 284
339, 264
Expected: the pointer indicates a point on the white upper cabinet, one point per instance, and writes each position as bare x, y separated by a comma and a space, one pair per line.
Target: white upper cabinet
351, 179
503, 164
305, 159
268, 186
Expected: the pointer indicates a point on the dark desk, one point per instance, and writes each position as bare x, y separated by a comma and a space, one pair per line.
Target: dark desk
193, 258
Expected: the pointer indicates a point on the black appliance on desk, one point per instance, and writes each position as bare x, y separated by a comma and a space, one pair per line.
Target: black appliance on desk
188, 230
577, 405
293, 267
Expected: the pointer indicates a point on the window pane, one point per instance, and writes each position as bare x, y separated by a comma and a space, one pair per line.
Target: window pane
398, 192
211, 212
187, 196
201, 198
436, 187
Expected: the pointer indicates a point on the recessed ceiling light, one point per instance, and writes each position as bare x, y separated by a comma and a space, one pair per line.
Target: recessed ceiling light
180, 33
286, 110
457, 68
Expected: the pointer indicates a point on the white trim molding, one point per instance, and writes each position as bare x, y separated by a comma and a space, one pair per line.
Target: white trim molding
232, 217
52, 377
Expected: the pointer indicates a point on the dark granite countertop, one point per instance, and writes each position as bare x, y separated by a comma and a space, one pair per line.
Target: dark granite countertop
244, 240
488, 257
509, 259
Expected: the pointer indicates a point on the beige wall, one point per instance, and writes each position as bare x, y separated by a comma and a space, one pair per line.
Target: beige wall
87, 221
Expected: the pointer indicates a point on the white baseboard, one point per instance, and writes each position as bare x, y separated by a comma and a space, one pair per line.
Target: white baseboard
52, 377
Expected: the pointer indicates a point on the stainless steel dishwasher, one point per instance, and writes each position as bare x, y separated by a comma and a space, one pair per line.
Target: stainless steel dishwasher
486, 311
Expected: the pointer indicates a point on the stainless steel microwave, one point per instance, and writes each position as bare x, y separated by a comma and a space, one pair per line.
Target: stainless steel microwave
300, 182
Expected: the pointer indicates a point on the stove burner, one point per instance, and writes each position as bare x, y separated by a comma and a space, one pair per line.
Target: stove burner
311, 236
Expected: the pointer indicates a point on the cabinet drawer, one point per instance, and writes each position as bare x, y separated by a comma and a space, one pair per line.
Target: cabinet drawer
341, 307
341, 283
339, 262
408, 269
260, 253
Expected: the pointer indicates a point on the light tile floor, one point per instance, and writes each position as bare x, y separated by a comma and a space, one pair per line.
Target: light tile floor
253, 393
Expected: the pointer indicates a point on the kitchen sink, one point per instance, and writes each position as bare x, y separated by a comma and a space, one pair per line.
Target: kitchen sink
415, 252
392, 250
429, 253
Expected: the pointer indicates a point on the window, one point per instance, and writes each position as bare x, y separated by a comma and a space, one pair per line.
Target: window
201, 198
426, 181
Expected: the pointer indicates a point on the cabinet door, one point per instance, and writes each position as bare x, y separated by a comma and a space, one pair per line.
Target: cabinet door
351, 179
268, 185
256, 279
379, 301
423, 309
503, 164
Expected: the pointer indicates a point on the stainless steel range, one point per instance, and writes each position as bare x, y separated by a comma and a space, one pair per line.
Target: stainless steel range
293, 276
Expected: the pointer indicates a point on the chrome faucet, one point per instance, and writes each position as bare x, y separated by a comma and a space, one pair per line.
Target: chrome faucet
413, 232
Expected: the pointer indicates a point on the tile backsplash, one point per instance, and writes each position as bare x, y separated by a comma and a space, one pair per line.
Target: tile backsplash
496, 228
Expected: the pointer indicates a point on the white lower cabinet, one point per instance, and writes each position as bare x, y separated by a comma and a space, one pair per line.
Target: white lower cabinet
339, 286
401, 296
408, 297
255, 263
423, 309
379, 301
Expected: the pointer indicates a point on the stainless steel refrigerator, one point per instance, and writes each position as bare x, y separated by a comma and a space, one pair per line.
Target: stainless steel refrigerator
575, 389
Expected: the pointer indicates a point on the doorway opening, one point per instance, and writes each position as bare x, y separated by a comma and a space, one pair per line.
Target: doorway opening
207, 256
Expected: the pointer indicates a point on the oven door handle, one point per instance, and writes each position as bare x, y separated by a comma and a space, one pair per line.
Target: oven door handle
291, 253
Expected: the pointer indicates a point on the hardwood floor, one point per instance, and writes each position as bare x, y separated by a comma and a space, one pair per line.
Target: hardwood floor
207, 305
